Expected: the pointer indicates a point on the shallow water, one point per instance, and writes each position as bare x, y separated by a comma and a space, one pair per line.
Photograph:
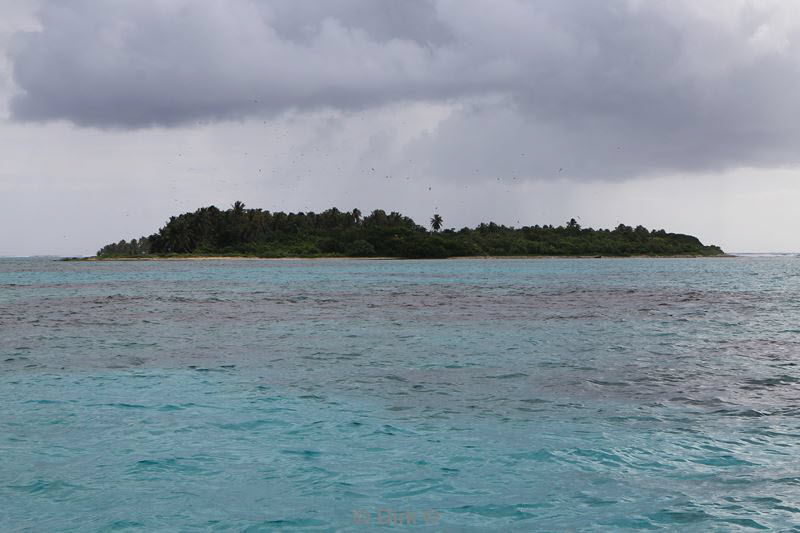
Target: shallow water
466, 395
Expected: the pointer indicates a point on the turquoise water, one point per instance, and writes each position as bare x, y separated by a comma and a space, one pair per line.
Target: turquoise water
466, 395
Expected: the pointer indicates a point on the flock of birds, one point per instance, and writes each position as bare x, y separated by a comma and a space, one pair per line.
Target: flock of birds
294, 159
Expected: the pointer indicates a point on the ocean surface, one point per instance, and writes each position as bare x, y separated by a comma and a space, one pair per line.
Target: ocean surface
358, 395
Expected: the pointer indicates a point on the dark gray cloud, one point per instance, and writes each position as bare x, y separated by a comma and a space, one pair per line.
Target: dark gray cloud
140, 63
549, 87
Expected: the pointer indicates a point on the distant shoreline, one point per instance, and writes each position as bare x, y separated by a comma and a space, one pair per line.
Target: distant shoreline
340, 258
239, 232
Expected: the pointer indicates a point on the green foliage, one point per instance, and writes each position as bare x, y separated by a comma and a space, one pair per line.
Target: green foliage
259, 233
360, 248
436, 222
135, 248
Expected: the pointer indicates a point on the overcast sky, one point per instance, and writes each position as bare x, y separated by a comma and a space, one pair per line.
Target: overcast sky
674, 114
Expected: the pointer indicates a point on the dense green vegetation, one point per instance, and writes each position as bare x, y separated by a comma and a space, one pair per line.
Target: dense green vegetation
255, 232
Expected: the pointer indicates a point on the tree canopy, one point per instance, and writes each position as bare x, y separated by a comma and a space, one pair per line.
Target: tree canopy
261, 233
436, 222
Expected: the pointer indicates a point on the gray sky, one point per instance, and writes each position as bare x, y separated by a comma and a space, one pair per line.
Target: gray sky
679, 114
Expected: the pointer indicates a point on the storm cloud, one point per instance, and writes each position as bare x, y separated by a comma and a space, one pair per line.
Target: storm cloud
566, 88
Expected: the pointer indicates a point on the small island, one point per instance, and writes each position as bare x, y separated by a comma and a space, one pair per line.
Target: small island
242, 232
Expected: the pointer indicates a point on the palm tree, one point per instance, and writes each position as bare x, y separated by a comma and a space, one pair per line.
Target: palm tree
357, 215
436, 222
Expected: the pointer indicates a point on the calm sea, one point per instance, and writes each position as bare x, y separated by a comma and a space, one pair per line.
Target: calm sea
347, 395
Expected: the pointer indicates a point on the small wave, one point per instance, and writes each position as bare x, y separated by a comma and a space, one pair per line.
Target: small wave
755, 384
44, 487
680, 517
722, 460
513, 375
283, 523
252, 425
514, 512
305, 454
173, 464
538, 455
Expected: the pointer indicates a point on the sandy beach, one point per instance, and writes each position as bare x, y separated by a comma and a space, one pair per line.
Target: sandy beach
487, 257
